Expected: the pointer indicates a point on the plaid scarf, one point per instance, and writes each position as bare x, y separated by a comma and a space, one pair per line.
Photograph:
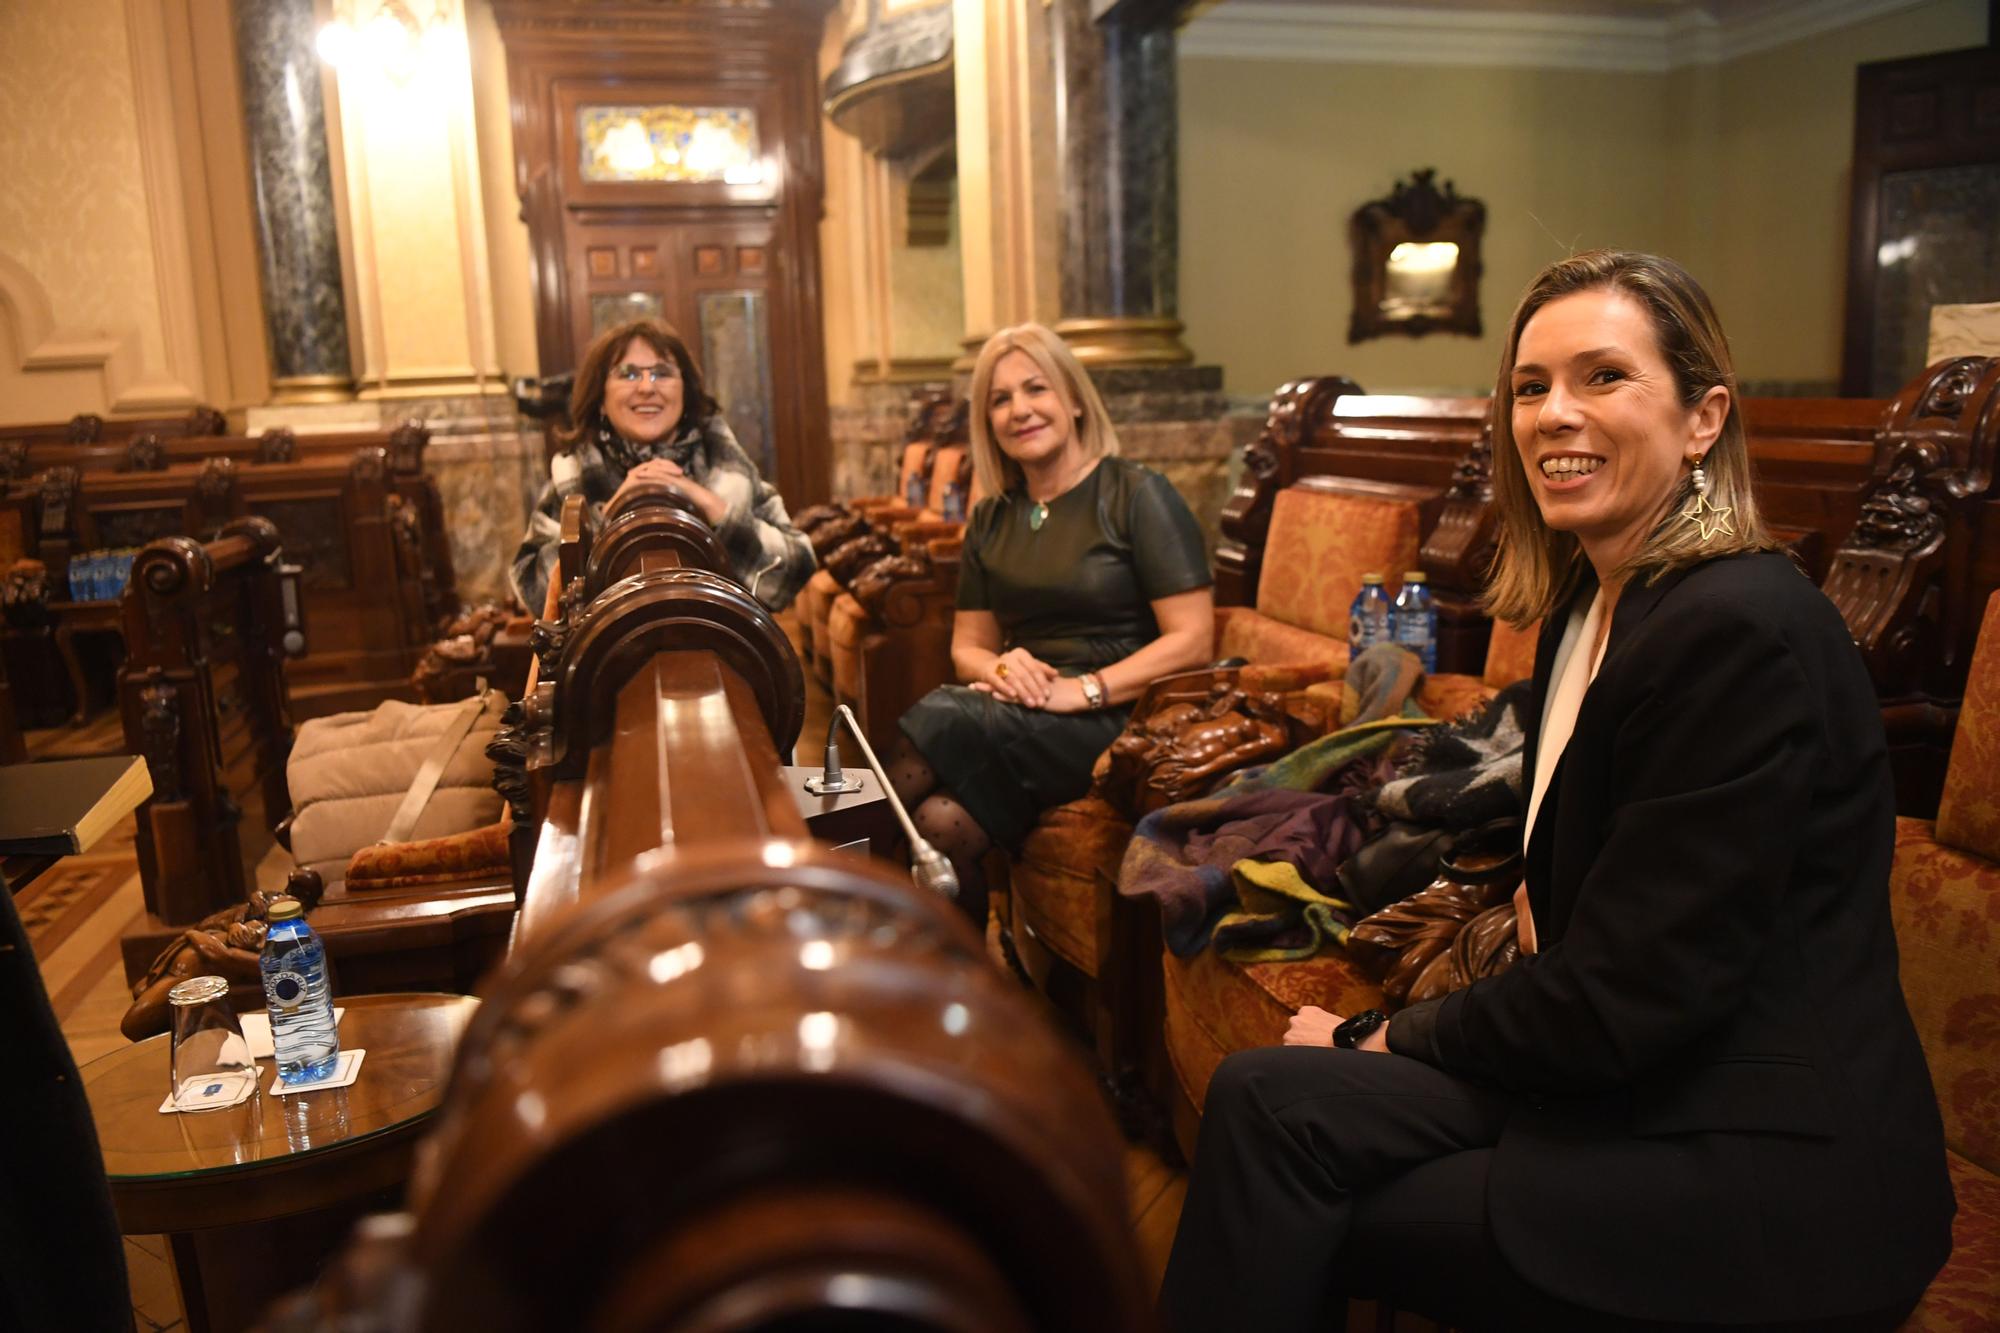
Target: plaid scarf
768, 555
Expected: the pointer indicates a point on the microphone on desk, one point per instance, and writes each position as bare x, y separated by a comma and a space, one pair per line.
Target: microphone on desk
928, 867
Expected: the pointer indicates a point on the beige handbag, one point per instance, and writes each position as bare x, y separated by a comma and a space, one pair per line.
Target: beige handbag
401, 773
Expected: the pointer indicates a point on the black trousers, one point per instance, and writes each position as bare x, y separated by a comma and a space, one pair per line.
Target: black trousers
1322, 1174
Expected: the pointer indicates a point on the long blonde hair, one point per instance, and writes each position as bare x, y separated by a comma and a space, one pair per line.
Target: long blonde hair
1537, 566
1051, 355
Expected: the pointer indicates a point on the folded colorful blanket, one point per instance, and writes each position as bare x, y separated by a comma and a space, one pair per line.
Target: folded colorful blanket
1184, 856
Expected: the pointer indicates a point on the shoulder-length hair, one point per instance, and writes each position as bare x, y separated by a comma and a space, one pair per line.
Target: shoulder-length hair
1094, 433
586, 395
1537, 566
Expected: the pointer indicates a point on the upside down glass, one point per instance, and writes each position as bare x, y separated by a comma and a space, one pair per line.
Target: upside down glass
211, 1064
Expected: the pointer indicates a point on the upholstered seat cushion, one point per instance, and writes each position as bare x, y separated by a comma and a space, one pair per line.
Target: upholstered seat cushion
1242, 632
814, 602
1215, 1007
846, 621
1969, 813
1947, 911
1065, 875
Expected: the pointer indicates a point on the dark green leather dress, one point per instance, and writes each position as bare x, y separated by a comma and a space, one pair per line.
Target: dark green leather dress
1076, 593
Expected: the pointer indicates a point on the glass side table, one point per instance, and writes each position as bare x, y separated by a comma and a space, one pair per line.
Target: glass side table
254, 1199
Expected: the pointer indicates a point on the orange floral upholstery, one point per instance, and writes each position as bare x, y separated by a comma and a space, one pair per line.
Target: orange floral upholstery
1215, 1007
1966, 1295
1320, 544
1969, 813
1510, 654
1947, 911
1241, 632
1945, 894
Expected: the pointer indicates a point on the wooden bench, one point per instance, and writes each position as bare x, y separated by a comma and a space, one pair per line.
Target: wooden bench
404, 445
201, 694
360, 546
89, 428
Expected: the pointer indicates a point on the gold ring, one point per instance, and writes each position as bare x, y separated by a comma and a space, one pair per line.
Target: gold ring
1000, 670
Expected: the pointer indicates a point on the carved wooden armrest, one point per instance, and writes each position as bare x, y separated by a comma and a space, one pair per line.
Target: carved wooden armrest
905, 589
882, 510
812, 517
922, 530
830, 536
847, 560
1194, 728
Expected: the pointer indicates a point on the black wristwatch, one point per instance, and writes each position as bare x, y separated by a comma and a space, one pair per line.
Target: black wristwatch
1358, 1028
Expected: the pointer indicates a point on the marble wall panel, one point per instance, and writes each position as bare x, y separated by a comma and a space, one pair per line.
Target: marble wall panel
292, 178
486, 459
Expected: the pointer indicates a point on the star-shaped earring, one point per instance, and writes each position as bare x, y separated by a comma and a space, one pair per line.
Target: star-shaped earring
1708, 517
1717, 519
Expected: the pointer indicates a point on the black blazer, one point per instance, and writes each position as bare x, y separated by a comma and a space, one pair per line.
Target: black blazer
1725, 1114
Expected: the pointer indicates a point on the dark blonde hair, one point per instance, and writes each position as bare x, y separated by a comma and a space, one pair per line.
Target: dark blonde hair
1537, 566
1051, 355
586, 395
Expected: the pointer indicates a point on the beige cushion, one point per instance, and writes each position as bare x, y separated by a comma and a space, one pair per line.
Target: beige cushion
348, 774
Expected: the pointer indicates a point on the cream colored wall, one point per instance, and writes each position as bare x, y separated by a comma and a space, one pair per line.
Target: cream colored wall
1780, 178
1740, 170
80, 285
927, 293
506, 232
1277, 155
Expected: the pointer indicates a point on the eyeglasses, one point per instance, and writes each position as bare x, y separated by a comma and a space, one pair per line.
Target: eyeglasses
653, 374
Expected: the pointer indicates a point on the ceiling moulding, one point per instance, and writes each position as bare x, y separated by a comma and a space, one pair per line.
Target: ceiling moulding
1391, 35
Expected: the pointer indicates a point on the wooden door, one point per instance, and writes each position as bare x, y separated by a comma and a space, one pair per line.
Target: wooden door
669, 165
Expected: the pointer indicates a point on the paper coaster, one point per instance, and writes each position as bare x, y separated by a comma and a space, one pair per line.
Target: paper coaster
257, 1031
214, 1092
343, 1074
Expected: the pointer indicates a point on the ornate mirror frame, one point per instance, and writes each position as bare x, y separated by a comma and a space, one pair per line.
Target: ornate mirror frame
1416, 214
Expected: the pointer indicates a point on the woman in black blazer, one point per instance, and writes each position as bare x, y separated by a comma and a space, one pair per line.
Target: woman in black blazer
1698, 1101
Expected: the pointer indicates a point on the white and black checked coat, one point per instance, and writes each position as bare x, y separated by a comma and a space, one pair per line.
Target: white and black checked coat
770, 557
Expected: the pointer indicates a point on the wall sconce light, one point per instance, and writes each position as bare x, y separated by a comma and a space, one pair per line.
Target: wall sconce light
382, 35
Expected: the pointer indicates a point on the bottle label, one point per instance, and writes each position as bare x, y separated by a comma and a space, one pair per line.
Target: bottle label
286, 989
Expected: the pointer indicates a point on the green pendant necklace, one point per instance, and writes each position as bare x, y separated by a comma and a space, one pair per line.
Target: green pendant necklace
1037, 516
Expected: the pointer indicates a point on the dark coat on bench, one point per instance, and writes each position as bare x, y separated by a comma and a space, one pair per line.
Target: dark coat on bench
1724, 1114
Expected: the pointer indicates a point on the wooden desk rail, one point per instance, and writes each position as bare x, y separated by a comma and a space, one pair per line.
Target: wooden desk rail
207, 627
729, 1078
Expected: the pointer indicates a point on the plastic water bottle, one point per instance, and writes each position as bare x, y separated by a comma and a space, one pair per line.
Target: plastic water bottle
1415, 621
1368, 618
298, 996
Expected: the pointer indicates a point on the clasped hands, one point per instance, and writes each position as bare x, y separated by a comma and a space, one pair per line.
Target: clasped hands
1313, 1026
1019, 677
665, 472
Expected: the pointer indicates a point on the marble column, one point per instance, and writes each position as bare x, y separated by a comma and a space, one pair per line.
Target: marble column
304, 311
1118, 139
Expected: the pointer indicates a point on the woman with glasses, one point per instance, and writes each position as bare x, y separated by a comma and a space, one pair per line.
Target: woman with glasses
639, 414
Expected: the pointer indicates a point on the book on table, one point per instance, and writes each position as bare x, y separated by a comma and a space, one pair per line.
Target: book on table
59, 807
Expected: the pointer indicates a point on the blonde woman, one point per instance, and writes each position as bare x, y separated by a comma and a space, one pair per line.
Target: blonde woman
1698, 1101
1083, 578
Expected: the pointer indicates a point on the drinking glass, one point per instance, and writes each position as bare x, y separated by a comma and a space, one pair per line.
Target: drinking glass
211, 1060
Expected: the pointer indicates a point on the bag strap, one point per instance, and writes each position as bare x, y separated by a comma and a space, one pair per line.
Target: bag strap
426, 781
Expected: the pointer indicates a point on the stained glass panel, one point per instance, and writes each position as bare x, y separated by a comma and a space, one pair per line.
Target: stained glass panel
736, 358
665, 142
